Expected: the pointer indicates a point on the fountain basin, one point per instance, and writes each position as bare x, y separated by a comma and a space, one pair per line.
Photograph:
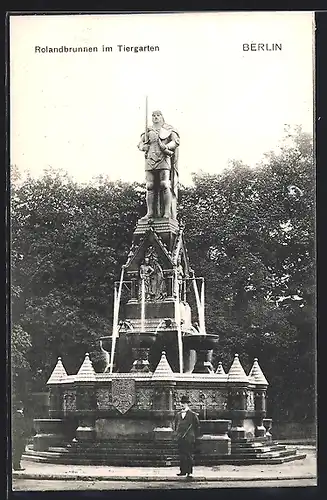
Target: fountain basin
201, 342
106, 342
141, 339
141, 344
203, 345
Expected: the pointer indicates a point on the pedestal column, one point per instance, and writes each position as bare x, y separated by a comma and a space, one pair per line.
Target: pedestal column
141, 345
51, 431
85, 408
260, 411
163, 407
237, 404
141, 359
56, 401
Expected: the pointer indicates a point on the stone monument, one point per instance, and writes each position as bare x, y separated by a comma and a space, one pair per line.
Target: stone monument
158, 351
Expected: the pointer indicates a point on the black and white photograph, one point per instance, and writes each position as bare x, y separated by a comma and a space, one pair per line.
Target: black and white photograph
162, 251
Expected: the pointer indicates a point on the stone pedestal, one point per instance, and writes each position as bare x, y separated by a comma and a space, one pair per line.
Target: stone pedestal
214, 440
167, 229
86, 429
135, 433
260, 430
49, 432
214, 446
237, 431
163, 433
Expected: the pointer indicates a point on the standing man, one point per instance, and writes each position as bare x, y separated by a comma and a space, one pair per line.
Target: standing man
160, 144
187, 428
19, 435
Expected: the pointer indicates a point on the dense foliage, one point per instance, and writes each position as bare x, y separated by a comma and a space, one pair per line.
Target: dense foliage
249, 231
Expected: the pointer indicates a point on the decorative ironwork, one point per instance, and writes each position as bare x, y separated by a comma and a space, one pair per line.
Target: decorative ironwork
123, 394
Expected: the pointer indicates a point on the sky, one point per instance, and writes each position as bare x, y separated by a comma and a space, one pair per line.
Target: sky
84, 112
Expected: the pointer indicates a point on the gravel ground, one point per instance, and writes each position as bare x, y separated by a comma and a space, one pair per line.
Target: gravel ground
55, 477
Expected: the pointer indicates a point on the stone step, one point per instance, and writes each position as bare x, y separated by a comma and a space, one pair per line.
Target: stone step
90, 459
45, 455
58, 449
100, 459
126, 453
55, 453
290, 458
72, 450
249, 461
254, 449
166, 448
270, 454
121, 442
123, 462
252, 444
125, 448
126, 461
148, 454
132, 453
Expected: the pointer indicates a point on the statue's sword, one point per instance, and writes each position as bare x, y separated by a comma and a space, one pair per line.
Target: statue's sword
146, 120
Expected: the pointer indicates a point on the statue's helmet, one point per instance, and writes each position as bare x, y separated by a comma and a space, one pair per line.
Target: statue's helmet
158, 114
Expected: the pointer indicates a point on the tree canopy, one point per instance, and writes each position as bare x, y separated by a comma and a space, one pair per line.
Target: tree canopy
250, 233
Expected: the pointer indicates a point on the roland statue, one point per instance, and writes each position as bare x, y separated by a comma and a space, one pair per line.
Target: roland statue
160, 143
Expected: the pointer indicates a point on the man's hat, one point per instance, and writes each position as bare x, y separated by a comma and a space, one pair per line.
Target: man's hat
185, 399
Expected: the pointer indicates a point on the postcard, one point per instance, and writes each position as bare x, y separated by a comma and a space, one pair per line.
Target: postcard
162, 181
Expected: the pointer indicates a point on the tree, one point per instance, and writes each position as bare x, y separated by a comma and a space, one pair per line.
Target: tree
20, 367
68, 243
250, 232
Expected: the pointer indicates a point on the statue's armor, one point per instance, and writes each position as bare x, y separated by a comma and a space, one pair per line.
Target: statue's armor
161, 169
156, 159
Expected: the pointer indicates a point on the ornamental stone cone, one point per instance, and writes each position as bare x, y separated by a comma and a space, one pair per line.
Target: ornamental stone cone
163, 370
256, 375
220, 372
59, 373
86, 372
236, 372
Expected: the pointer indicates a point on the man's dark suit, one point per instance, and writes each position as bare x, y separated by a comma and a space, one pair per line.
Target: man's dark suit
187, 430
19, 435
